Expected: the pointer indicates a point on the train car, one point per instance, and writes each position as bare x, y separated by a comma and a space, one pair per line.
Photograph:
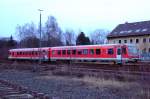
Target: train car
116, 53
108, 52
30, 54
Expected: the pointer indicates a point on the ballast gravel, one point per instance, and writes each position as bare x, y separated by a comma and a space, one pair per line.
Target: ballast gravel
67, 87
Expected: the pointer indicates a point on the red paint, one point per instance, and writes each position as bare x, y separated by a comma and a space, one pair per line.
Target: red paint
83, 52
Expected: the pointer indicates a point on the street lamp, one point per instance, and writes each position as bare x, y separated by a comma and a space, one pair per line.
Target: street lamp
40, 37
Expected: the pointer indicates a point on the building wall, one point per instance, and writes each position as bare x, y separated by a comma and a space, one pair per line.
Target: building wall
143, 43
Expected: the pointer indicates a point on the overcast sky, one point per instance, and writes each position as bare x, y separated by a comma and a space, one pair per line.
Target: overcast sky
86, 15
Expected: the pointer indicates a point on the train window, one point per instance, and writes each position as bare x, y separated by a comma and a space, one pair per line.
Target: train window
64, 52
73, 52
92, 51
36, 53
98, 51
110, 51
118, 51
124, 50
79, 52
17, 53
59, 52
32, 52
68, 52
85, 51
26, 53
53, 52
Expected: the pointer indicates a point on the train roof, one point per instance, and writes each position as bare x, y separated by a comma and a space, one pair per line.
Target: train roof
64, 47
29, 49
81, 46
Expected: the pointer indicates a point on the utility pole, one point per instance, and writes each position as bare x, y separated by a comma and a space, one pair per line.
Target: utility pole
40, 38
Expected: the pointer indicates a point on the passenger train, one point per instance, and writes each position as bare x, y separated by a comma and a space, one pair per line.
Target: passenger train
116, 53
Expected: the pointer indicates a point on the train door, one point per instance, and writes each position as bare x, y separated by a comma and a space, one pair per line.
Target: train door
45, 55
119, 55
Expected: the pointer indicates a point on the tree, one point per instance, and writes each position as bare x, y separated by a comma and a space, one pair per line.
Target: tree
53, 33
28, 35
11, 43
69, 37
82, 39
98, 36
6, 44
30, 42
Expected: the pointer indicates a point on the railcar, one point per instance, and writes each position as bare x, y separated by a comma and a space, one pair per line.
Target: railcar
108, 52
116, 53
30, 54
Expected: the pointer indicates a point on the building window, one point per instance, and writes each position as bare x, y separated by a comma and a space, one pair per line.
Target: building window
114, 42
131, 40
137, 40
119, 41
144, 50
125, 41
144, 40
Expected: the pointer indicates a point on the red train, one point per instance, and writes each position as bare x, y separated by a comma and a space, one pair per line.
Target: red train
107, 52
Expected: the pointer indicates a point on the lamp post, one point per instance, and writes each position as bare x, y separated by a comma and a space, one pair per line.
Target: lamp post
40, 37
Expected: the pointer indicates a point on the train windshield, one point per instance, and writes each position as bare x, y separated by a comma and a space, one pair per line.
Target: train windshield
133, 50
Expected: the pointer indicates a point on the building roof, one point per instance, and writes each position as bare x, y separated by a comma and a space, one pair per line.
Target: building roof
5, 38
131, 29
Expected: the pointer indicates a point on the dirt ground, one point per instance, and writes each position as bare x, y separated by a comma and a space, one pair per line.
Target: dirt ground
70, 87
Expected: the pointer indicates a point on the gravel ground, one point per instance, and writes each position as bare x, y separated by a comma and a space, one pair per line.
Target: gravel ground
63, 87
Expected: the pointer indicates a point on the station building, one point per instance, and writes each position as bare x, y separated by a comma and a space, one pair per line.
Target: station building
137, 33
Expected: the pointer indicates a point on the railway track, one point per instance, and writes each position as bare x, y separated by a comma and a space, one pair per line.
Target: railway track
135, 67
140, 66
94, 68
128, 72
14, 91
